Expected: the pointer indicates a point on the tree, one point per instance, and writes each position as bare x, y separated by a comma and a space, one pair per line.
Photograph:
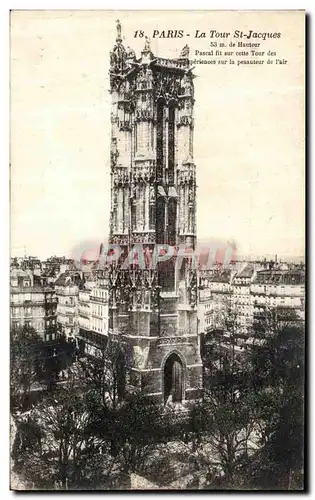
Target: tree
225, 427
133, 424
256, 400
34, 361
223, 355
279, 361
25, 354
278, 374
224, 433
54, 445
137, 430
106, 375
130, 422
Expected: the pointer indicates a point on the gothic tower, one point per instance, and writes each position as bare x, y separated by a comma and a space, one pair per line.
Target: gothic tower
153, 308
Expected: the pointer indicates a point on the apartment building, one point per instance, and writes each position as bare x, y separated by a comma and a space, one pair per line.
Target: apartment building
283, 289
93, 316
230, 302
67, 292
33, 303
242, 299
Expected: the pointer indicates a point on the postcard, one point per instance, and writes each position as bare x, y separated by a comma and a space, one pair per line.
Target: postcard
157, 274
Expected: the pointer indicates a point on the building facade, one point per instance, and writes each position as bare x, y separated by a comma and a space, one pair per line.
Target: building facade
153, 308
67, 292
247, 295
283, 289
242, 300
33, 304
215, 297
93, 317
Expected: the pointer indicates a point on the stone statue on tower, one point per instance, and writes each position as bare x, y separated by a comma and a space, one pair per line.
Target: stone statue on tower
118, 28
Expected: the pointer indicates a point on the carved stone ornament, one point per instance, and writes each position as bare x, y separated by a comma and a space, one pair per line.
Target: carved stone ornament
125, 125
152, 195
145, 79
144, 115
120, 176
191, 197
130, 53
142, 237
114, 153
172, 63
168, 86
144, 172
184, 53
114, 200
191, 280
119, 54
118, 58
187, 85
147, 45
118, 28
119, 239
170, 340
186, 175
185, 121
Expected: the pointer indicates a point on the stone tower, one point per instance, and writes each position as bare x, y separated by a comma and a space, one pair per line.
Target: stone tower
153, 308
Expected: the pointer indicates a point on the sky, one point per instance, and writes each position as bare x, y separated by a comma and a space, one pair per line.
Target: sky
248, 136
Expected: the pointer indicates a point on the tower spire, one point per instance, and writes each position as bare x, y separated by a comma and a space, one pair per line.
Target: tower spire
118, 28
118, 54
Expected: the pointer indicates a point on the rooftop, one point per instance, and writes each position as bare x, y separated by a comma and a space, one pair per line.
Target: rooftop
246, 272
280, 277
221, 277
